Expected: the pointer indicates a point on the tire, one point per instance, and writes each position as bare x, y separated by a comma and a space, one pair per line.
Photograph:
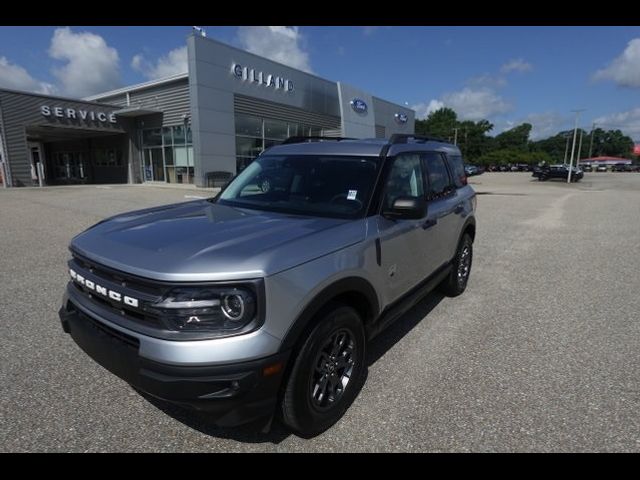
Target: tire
305, 408
455, 284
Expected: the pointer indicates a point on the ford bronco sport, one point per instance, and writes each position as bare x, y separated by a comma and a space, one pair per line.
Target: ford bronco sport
260, 301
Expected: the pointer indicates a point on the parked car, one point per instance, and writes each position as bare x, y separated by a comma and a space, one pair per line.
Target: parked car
471, 170
621, 167
260, 303
557, 171
587, 168
601, 168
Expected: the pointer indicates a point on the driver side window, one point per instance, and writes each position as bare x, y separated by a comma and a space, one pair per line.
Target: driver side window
405, 179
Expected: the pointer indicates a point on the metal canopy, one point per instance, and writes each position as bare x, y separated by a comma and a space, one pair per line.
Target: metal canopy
136, 111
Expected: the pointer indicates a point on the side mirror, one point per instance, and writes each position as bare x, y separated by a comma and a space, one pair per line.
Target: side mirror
407, 208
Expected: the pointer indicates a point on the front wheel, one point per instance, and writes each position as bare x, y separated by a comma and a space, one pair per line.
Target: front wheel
327, 373
456, 281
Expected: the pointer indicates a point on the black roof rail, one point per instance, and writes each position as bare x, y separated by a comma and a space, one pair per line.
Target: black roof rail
302, 139
404, 137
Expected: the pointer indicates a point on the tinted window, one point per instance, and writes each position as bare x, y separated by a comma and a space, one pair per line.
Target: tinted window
438, 175
457, 170
330, 186
405, 179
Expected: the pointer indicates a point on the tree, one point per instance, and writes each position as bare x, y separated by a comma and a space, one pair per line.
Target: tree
473, 140
439, 123
515, 138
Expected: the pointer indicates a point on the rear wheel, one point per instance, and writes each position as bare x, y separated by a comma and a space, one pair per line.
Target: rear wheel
327, 373
456, 281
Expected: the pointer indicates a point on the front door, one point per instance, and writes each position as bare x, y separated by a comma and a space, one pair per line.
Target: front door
403, 243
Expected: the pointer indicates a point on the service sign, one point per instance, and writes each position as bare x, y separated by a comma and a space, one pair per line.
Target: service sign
78, 114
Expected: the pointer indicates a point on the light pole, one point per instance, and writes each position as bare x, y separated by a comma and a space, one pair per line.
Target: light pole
573, 147
455, 136
579, 149
593, 127
566, 149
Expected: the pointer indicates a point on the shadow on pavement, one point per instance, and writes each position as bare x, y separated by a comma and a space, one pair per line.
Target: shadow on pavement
396, 332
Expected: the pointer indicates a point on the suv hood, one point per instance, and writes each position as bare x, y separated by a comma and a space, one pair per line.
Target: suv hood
199, 241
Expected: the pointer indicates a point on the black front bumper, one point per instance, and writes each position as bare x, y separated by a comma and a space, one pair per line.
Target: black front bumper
230, 394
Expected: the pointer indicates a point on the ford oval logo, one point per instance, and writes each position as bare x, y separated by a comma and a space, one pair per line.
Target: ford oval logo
359, 106
401, 117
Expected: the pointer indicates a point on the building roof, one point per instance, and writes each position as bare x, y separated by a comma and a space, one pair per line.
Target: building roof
605, 159
139, 86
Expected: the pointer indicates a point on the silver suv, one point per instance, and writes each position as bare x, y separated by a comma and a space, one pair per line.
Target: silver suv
261, 301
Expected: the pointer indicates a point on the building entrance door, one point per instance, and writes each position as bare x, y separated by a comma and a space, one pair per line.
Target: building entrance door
36, 158
153, 165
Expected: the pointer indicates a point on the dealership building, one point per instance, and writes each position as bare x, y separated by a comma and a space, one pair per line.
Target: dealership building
217, 117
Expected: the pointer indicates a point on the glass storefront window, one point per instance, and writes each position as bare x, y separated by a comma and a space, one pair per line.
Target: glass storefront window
270, 143
183, 156
275, 129
168, 156
242, 163
178, 135
157, 164
151, 137
166, 136
248, 126
248, 147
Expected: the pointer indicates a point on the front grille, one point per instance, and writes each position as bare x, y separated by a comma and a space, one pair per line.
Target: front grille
144, 291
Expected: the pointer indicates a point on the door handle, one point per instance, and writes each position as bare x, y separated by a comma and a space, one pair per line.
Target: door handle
429, 223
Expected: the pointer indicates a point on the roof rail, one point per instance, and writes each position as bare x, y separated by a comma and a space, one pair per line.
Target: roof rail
404, 137
302, 139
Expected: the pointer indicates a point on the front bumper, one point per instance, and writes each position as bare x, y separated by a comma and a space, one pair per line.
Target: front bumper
231, 394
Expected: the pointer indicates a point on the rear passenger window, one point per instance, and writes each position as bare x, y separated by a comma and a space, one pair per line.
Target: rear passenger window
438, 175
457, 170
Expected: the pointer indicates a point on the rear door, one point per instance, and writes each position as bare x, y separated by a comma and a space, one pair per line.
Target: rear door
444, 204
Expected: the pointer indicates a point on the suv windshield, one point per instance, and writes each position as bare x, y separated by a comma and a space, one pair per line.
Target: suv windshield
332, 186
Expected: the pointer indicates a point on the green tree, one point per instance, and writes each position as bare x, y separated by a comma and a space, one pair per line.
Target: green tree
439, 123
473, 139
515, 138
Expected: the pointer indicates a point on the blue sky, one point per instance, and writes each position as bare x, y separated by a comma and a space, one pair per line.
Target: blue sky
505, 74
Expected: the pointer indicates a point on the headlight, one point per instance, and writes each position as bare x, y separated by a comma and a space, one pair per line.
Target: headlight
224, 310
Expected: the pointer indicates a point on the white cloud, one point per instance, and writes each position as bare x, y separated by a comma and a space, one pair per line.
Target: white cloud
91, 65
516, 65
468, 103
627, 121
424, 109
545, 124
281, 44
476, 104
15, 77
625, 68
487, 80
172, 63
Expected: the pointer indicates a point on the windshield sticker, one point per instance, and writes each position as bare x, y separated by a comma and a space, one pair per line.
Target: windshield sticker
352, 194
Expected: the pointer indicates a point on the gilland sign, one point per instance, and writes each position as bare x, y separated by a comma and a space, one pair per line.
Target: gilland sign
78, 114
267, 80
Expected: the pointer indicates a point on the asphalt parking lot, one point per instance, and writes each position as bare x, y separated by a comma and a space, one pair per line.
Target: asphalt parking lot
541, 353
